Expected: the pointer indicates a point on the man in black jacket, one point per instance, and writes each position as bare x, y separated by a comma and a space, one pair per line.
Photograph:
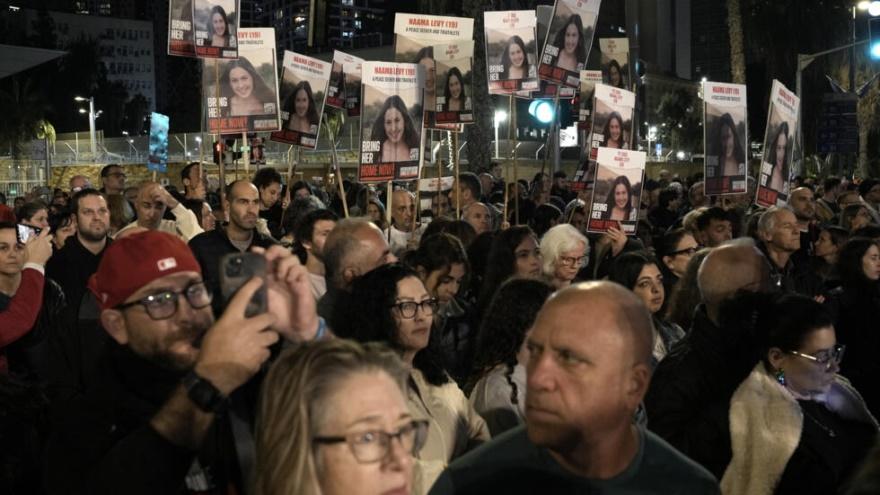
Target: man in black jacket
689, 398
780, 240
237, 236
153, 419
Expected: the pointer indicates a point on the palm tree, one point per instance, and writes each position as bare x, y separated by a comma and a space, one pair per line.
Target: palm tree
737, 52
23, 115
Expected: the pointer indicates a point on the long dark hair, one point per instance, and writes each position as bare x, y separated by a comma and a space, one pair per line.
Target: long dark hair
438, 252
580, 52
849, 265
771, 150
606, 131
501, 262
410, 135
609, 200
366, 317
508, 318
261, 90
505, 57
739, 153
226, 34
456, 73
626, 268
290, 103
614, 63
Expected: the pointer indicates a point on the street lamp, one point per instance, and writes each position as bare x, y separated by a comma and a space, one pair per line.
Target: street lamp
500, 116
652, 136
91, 100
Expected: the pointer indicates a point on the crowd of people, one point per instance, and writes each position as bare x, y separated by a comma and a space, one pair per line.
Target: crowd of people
437, 346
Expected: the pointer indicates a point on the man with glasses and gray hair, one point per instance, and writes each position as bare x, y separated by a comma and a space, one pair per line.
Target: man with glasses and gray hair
147, 420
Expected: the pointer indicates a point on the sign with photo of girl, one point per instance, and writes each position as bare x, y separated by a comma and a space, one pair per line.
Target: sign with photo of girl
511, 51
391, 121
241, 95
615, 62
216, 28
568, 42
303, 86
725, 141
344, 89
617, 191
782, 120
454, 67
181, 42
415, 37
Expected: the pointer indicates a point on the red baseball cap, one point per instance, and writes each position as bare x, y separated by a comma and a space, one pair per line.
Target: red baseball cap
6, 214
136, 260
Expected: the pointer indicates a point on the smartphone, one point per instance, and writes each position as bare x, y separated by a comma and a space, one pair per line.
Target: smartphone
235, 270
25, 232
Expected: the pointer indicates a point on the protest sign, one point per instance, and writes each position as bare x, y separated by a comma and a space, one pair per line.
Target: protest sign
303, 87
454, 67
615, 62
181, 41
215, 24
617, 192
511, 51
782, 119
157, 161
725, 138
344, 89
568, 42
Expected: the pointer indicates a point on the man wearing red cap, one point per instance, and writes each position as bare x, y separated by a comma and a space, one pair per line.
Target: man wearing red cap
149, 421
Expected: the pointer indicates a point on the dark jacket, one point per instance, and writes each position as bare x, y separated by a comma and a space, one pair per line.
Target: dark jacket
210, 247
102, 441
796, 277
29, 356
689, 397
72, 266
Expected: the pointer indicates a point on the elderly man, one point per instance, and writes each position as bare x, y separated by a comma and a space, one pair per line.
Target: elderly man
152, 201
78, 183
354, 247
689, 398
404, 232
586, 378
780, 238
147, 420
478, 216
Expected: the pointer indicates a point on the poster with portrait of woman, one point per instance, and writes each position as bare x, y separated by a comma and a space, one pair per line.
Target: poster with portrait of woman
511, 51
246, 98
568, 42
617, 191
612, 118
546, 90
344, 89
615, 62
391, 121
415, 37
725, 141
589, 80
181, 42
454, 66
782, 120
303, 86
215, 24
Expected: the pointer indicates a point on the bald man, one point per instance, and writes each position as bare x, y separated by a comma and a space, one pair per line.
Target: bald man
354, 247
404, 232
152, 201
688, 401
586, 378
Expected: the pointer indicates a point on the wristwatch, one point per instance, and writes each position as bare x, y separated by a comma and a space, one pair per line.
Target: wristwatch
203, 393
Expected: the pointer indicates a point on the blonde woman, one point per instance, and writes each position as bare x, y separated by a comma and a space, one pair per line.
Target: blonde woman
333, 420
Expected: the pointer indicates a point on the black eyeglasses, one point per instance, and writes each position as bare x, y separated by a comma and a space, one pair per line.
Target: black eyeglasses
408, 309
688, 251
571, 261
164, 304
826, 357
374, 445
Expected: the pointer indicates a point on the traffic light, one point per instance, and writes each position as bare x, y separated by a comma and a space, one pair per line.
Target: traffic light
542, 111
874, 37
218, 151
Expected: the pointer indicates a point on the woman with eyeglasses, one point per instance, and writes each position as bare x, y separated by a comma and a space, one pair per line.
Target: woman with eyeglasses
675, 249
565, 252
639, 272
796, 426
391, 305
442, 265
855, 305
333, 420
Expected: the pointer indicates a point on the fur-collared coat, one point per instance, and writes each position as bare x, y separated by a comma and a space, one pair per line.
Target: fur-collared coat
765, 429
